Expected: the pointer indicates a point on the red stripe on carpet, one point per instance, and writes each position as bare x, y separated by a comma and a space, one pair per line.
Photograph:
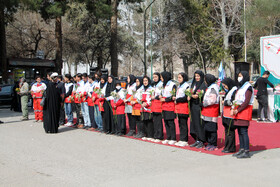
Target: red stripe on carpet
262, 136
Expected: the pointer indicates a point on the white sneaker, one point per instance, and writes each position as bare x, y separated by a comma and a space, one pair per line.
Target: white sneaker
150, 139
66, 124
144, 138
157, 141
70, 124
178, 143
183, 144
171, 142
165, 141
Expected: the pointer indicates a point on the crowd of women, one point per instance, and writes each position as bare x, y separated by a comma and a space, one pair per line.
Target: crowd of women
101, 103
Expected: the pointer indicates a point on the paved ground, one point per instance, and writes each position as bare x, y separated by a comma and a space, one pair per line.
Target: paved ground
29, 157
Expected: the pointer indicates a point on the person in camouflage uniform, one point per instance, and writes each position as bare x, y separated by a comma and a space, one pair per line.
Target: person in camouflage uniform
24, 90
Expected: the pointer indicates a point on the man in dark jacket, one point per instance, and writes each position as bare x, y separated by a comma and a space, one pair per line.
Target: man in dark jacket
262, 96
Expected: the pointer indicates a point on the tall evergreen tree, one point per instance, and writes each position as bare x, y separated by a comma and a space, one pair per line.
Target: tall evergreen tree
7, 9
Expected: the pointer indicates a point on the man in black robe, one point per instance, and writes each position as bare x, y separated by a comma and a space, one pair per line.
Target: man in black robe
52, 106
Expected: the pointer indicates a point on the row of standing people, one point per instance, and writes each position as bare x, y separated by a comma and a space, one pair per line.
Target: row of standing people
104, 105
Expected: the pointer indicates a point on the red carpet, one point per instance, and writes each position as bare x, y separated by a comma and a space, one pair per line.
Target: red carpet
262, 136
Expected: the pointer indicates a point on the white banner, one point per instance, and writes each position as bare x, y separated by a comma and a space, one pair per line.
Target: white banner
270, 54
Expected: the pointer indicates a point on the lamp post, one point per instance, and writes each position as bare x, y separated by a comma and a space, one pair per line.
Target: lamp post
145, 60
151, 23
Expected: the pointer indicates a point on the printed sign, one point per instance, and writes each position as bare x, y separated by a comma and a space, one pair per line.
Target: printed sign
270, 57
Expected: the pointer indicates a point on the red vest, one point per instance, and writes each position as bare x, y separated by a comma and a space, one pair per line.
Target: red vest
156, 106
136, 106
101, 102
245, 114
148, 107
210, 111
120, 107
38, 94
226, 112
127, 97
69, 98
182, 108
89, 101
168, 106
77, 99
84, 97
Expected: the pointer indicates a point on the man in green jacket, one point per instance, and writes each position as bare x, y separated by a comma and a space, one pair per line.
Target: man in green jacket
24, 90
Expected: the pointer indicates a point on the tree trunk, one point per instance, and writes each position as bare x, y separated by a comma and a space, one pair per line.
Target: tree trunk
69, 66
76, 68
172, 67
164, 64
114, 39
99, 59
186, 66
3, 54
58, 37
226, 33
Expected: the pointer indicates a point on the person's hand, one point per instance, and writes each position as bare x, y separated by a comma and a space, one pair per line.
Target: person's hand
162, 99
33, 96
144, 105
124, 100
160, 96
153, 97
195, 96
231, 113
93, 98
173, 98
235, 112
132, 102
189, 98
115, 107
223, 102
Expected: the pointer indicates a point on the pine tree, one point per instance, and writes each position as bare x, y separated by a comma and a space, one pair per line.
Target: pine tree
7, 9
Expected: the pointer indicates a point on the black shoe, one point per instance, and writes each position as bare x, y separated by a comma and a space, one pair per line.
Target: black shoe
226, 151
136, 135
130, 133
86, 127
267, 121
1, 121
119, 134
239, 152
141, 135
259, 120
194, 144
245, 154
75, 126
199, 145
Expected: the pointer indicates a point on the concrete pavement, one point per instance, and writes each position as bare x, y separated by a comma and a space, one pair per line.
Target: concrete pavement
74, 157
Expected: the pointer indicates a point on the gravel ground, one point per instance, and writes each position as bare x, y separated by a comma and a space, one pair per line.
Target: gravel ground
73, 157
